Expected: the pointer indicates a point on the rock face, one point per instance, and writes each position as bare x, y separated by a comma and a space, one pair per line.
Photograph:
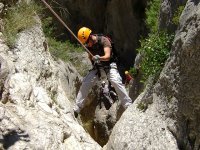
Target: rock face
123, 20
167, 13
171, 117
99, 117
35, 107
105, 120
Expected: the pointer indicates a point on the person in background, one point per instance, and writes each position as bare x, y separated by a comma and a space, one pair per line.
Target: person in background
128, 80
128, 77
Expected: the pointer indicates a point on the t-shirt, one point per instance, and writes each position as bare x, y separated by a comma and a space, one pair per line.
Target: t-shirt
98, 48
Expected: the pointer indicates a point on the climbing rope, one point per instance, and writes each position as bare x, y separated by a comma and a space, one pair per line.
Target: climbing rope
63, 23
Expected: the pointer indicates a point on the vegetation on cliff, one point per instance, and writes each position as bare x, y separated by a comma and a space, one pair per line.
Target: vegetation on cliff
17, 18
155, 47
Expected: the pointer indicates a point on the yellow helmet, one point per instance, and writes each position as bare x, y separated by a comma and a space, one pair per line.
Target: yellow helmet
126, 72
83, 34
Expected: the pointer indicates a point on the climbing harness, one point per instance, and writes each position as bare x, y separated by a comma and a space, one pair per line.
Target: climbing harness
107, 95
63, 23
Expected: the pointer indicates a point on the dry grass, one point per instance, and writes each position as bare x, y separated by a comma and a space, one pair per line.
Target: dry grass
18, 17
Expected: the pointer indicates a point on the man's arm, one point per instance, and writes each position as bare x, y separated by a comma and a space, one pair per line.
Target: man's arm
107, 52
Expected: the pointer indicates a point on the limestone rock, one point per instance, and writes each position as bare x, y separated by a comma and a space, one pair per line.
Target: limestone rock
171, 120
1, 7
35, 108
167, 12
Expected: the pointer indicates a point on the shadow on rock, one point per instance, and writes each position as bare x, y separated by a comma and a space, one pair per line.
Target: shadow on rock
12, 137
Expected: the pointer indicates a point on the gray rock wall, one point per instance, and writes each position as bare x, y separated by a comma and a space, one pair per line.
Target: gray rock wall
167, 13
35, 107
171, 119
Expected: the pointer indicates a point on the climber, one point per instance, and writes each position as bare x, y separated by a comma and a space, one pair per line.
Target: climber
128, 80
128, 77
101, 48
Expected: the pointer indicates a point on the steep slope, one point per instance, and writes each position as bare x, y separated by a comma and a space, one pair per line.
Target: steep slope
35, 112
171, 120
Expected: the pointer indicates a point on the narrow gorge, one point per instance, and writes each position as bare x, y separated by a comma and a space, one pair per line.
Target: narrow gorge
38, 90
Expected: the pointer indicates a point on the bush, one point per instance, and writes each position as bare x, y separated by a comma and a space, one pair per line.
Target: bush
142, 106
61, 49
177, 15
152, 15
155, 50
48, 27
156, 46
58, 49
18, 17
133, 71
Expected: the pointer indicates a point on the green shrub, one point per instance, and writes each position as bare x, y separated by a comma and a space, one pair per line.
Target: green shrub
177, 15
142, 106
156, 46
18, 17
58, 48
47, 26
152, 15
133, 71
155, 50
61, 49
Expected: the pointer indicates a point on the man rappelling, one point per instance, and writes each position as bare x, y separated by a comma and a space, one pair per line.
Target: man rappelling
100, 52
103, 60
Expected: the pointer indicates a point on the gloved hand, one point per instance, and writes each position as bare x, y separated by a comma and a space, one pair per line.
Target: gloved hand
96, 59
